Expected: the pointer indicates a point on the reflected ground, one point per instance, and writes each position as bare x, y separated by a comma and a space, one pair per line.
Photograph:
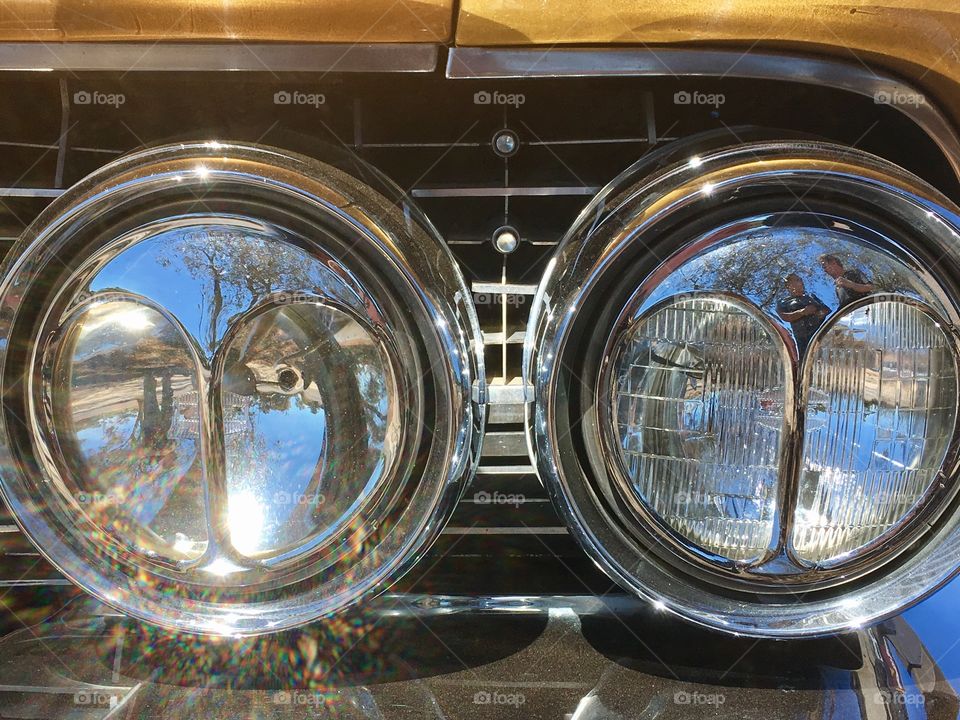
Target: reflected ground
416, 656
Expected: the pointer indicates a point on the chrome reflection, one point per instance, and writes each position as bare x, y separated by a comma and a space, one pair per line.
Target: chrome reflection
311, 426
123, 383
804, 311
723, 224
263, 372
269, 416
767, 288
799, 268
880, 416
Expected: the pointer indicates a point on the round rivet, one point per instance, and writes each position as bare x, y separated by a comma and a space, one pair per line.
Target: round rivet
506, 240
506, 143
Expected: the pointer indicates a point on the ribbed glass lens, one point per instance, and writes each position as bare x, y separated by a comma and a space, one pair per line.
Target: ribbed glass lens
698, 401
881, 412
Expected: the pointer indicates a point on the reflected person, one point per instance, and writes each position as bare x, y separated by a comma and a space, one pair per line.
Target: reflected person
804, 311
851, 284
156, 418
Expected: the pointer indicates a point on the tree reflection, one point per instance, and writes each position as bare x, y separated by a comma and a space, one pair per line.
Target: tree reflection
235, 270
755, 268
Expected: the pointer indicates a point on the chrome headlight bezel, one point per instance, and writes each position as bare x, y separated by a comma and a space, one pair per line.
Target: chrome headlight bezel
636, 232
397, 251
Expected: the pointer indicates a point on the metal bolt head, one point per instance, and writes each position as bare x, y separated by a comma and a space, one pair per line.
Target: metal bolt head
506, 143
506, 240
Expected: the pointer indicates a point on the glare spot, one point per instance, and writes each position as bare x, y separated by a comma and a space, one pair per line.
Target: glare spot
245, 518
133, 319
221, 567
136, 319
183, 544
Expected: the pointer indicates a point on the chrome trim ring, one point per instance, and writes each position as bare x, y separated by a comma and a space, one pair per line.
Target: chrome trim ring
637, 245
200, 335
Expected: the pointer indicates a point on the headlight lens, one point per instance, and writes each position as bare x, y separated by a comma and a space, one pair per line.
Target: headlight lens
745, 407
881, 413
243, 388
698, 394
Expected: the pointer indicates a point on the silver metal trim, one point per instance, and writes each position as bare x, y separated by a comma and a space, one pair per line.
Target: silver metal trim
194, 57
498, 338
505, 470
452, 530
504, 191
504, 444
471, 63
507, 394
31, 192
492, 288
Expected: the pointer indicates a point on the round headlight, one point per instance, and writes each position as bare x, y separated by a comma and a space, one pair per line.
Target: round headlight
745, 374
240, 387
